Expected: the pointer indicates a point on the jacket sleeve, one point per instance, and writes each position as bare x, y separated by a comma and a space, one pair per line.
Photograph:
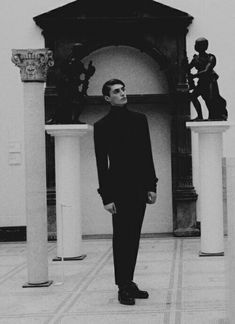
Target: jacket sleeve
102, 163
151, 180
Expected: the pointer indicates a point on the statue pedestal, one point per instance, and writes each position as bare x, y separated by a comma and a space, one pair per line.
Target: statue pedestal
230, 252
210, 142
68, 206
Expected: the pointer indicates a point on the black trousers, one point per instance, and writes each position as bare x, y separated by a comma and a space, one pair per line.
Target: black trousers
127, 224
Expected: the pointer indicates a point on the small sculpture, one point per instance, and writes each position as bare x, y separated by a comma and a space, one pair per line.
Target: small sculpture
207, 86
72, 85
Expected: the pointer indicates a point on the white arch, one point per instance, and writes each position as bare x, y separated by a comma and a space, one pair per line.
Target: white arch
140, 72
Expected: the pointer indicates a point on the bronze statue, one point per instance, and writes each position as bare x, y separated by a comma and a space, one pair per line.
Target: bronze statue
72, 84
207, 86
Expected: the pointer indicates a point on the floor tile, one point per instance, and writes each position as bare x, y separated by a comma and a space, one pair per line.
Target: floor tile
214, 317
31, 302
24, 320
203, 299
114, 319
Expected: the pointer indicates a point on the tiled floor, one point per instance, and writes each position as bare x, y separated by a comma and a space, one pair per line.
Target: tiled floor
184, 288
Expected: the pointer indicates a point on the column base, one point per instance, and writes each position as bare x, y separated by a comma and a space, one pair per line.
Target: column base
203, 254
37, 285
80, 257
187, 232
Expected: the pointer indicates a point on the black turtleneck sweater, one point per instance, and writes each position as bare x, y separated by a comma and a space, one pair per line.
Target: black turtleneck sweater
123, 154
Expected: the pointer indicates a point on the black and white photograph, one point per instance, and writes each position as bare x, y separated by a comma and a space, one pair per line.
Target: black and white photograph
117, 164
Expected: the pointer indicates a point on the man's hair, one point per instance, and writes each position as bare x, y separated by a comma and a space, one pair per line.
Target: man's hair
107, 86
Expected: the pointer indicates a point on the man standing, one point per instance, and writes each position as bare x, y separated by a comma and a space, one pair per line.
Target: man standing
127, 181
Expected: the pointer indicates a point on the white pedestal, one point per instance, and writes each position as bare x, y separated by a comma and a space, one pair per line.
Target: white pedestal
210, 142
230, 252
68, 206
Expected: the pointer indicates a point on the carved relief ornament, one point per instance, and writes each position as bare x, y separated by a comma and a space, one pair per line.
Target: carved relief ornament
33, 63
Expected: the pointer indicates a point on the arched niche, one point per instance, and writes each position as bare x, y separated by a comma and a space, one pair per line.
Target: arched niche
140, 72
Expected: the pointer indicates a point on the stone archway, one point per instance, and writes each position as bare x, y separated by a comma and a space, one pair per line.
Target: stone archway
158, 30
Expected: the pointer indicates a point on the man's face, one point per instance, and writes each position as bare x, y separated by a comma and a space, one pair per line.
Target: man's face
117, 95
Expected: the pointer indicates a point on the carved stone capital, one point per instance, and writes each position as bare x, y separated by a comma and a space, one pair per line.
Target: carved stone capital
33, 63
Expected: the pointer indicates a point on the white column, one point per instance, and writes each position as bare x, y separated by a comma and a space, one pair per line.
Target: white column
33, 67
68, 205
230, 252
210, 143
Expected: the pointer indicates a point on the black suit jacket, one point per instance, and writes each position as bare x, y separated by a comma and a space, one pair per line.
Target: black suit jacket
123, 154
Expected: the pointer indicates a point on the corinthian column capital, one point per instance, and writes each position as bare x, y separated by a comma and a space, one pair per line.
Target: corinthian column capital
33, 63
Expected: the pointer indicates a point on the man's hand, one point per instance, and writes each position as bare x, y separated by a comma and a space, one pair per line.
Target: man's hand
152, 196
111, 208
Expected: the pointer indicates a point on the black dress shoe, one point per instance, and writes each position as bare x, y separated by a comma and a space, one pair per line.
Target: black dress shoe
125, 297
135, 292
